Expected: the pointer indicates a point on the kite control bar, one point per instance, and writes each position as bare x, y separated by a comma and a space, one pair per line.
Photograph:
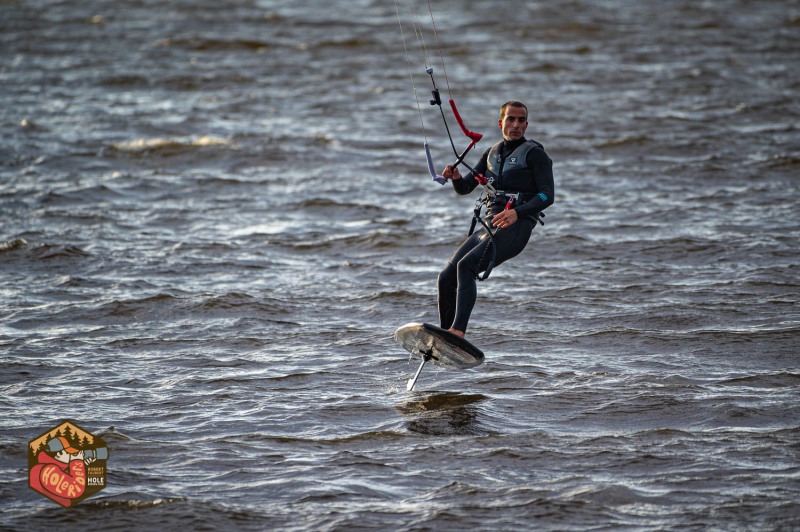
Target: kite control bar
473, 136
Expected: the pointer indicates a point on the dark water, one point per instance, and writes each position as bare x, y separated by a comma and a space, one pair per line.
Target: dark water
215, 214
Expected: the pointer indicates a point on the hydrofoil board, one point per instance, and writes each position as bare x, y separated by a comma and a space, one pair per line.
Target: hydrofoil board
437, 345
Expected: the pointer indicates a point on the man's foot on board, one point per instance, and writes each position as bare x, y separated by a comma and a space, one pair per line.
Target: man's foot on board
457, 332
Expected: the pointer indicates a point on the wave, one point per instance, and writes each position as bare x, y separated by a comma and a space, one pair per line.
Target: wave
168, 146
11, 245
81, 196
55, 251
354, 241
231, 305
239, 301
125, 80
209, 44
625, 140
783, 379
137, 510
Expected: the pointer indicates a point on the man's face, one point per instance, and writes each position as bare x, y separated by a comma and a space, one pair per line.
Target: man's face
62, 456
514, 123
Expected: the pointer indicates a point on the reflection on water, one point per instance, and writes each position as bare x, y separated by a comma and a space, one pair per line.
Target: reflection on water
444, 414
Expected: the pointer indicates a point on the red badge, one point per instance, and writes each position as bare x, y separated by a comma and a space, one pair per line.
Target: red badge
67, 464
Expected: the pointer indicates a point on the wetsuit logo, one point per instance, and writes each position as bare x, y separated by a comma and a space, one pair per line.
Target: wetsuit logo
67, 464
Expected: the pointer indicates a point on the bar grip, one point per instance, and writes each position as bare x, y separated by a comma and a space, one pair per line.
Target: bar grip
431, 169
475, 137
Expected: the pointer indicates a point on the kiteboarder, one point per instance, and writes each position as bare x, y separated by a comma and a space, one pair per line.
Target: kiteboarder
521, 176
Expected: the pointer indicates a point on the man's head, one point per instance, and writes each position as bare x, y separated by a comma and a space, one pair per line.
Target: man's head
513, 120
60, 449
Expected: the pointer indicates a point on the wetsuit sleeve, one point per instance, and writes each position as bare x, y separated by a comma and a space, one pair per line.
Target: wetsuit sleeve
467, 183
542, 172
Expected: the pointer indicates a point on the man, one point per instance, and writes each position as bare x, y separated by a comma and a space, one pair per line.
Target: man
522, 174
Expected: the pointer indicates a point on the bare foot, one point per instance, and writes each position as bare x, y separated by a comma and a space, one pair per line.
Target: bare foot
457, 332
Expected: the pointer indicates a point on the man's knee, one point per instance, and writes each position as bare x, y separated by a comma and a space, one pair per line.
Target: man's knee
467, 269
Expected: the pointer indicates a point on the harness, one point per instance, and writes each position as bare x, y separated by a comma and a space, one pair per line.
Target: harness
489, 197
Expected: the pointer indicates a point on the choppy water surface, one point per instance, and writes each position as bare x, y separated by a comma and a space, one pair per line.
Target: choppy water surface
215, 214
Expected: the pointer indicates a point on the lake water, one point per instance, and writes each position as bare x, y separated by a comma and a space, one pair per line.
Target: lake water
215, 215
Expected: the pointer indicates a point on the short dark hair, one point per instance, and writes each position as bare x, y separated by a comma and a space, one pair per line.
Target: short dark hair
512, 103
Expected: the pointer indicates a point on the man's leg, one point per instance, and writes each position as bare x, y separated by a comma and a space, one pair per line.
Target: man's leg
448, 283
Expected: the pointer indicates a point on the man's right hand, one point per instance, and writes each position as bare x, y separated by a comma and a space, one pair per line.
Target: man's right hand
451, 173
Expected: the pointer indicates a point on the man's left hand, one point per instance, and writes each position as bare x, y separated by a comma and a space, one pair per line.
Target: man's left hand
451, 172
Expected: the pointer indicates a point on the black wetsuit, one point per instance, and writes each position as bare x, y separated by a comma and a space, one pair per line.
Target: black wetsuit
534, 182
